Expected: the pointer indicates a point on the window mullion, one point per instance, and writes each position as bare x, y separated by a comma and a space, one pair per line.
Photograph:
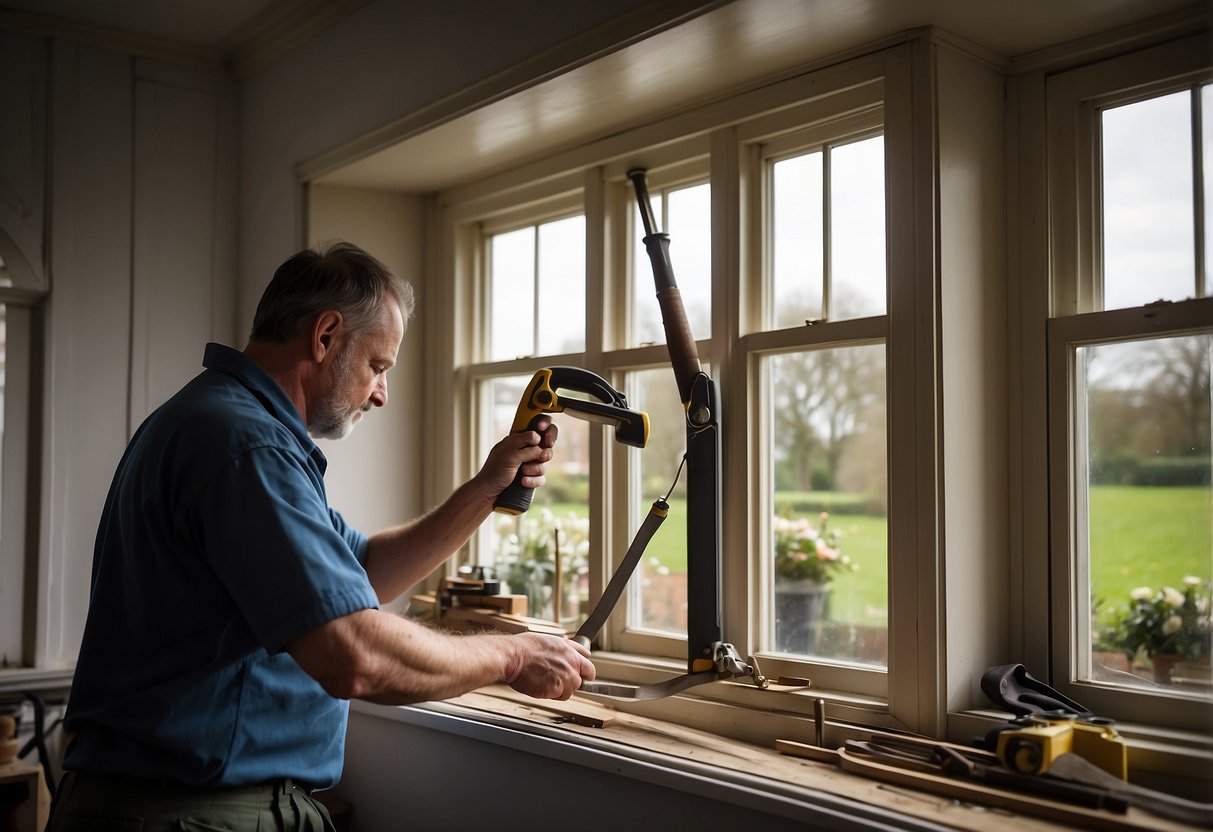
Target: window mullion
535, 323
1198, 193
826, 234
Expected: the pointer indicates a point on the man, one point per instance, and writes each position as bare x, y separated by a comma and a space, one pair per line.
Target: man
233, 612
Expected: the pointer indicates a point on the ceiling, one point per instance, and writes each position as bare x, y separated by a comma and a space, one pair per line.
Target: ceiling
725, 49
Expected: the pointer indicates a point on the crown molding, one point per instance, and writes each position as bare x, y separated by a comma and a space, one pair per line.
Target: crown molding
1063, 56
282, 26
114, 40
279, 28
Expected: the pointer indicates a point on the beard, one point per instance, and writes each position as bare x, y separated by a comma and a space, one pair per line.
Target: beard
334, 417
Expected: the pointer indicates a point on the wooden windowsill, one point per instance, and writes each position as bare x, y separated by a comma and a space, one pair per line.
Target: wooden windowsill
507, 717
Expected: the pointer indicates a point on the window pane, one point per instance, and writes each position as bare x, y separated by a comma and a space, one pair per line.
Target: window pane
524, 549
1206, 133
658, 599
827, 418
12, 566
688, 222
1149, 249
538, 270
846, 279
798, 240
857, 234
1150, 510
562, 286
512, 295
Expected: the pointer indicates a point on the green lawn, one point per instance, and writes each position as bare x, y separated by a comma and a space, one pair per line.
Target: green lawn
1142, 536
1148, 536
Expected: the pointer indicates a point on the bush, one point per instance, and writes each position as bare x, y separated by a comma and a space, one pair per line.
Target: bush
802, 503
1115, 469
1126, 469
1187, 470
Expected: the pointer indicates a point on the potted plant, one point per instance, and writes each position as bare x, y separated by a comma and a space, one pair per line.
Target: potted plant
806, 561
1166, 626
526, 561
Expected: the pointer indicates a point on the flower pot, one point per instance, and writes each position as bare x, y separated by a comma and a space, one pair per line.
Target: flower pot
1164, 664
800, 608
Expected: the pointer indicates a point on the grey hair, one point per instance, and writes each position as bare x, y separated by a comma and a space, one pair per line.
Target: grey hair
338, 276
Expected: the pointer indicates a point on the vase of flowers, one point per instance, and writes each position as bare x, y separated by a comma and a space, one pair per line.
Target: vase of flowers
529, 547
807, 558
1166, 626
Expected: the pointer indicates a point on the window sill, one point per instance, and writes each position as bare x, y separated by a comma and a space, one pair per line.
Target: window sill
701, 763
18, 680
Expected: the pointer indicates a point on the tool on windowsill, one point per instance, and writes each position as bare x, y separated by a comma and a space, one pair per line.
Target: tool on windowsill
541, 396
1048, 725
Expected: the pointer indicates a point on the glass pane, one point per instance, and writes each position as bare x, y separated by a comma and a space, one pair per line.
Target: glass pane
857, 233
525, 549
1150, 510
829, 555
1206, 132
512, 295
658, 588
562, 286
797, 240
688, 222
1149, 250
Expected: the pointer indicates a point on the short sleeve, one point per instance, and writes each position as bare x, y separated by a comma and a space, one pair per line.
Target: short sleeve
289, 563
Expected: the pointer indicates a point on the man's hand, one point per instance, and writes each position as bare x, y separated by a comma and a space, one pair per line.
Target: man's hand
549, 667
385, 658
528, 451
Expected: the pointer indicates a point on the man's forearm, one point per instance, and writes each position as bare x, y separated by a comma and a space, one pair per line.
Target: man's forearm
380, 657
398, 558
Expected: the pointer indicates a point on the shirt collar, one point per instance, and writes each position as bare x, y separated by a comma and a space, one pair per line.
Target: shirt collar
269, 392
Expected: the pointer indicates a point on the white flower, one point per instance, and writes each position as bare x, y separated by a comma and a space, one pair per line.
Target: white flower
1192, 581
1141, 593
1172, 597
1171, 626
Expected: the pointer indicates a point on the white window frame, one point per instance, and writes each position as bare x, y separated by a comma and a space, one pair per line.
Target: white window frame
724, 140
19, 564
1074, 100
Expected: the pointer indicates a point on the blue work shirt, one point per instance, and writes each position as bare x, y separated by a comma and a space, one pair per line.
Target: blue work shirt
216, 549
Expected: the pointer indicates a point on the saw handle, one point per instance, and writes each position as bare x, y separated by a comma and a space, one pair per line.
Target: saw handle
684, 354
516, 498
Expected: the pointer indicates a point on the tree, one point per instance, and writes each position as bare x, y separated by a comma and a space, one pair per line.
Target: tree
822, 398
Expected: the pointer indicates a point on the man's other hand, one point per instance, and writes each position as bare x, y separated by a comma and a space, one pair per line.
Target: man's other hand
550, 667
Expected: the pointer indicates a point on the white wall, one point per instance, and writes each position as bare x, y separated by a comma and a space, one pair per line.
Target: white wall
385, 62
139, 161
973, 319
374, 475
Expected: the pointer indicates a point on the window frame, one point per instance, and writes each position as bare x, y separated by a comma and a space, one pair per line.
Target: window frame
19, 459
1074, 100
727, 133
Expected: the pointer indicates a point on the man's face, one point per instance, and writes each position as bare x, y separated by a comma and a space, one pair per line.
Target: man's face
357, 380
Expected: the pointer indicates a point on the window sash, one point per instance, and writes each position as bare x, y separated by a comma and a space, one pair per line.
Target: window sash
1073, 103
17, 561
1068, 511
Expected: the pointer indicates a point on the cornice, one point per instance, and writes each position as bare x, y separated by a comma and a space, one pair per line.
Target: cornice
280, 27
